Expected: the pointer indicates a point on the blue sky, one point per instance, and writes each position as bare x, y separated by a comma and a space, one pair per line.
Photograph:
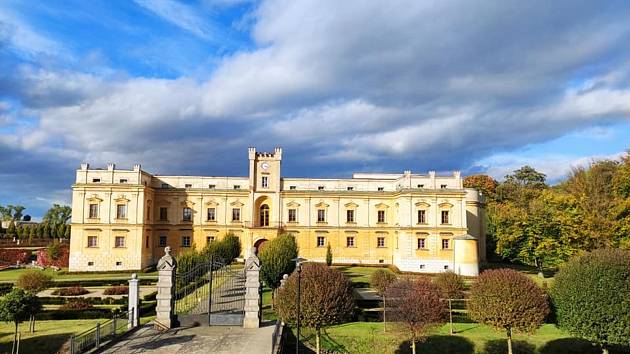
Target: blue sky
183, 87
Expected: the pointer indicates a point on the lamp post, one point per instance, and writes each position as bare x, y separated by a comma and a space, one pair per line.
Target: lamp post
298, 264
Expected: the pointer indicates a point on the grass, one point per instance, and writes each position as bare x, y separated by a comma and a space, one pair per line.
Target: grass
471, 338
11, 275
49, 336
359, 276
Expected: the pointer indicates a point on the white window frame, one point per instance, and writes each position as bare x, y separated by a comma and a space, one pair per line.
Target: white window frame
92, 244
323, 241
117, 244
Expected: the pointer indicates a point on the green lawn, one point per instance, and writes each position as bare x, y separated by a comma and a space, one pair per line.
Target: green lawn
11, 275
359, 276
471, 338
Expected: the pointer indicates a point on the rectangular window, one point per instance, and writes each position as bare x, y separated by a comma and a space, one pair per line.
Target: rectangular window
162, 241
421, 186
380, 242
163, 213
146, 242
321, 215
237, 186
212, 214
380, 189
123, 180
212, 186
149, 213
421, 243
165, 185
320, 188
185, 241
236, 214
446, 267
380, 216
209, 239
444, 216
321, 241
422, 216
265, 182
121, 211
349, 215
422, 266
118, 264
350, 241
93, 211
92, 241
445, 243
292, 215
350, 188
443, 186
119, 242
187, 214
90, 264
187, 185
292, 188
96, 180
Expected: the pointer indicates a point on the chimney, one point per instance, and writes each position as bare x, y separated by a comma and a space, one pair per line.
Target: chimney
111, 166
252, 152
136, 167
85, 166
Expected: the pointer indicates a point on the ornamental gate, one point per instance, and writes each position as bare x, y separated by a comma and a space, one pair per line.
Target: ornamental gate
211, 293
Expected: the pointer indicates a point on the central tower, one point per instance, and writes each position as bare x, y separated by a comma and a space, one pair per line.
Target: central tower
265, 186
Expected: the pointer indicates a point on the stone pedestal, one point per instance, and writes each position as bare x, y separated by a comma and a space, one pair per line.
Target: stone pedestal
134, 308
166, 290
252, 294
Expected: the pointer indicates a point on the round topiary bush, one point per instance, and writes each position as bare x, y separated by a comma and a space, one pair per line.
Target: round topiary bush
117, 290
591, 296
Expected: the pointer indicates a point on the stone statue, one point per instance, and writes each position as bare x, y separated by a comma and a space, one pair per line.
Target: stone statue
167, 261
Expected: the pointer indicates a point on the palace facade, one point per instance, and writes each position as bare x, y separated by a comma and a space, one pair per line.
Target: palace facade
123, 219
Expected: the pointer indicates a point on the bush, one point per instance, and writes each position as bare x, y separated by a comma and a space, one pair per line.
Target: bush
591, 296
14, 255
232, 247
329, 256
381, 279
77, 304
56, 254
5, 288
276, 259
34, 281
451, 285
507, 300
71, 291
57, 315
117, 290
150, 296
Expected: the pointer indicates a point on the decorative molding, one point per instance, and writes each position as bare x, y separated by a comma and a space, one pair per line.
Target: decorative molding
322, 204
293, 204
381, 206
237, 203
423, 205
122, 199
445, 204
94, 198
187, 203
351, 205
212, 203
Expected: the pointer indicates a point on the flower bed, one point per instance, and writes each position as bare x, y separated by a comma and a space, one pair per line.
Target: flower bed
117, 290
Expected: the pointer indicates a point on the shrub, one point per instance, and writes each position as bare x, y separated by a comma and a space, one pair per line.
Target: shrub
53, 251
381, 279
76, 304
276, 259
591, 296
325, 298
117, 290
150, 296
57, 315
34, 281
508, 300
56, 254
329, 258
71, 291
14, 255
451, 285
232, 246
416, 306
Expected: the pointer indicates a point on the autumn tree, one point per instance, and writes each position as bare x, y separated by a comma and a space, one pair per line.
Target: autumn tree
483, 183
33, 281
380, 280
591, 295
325, 298
276, 260
415, 305
452, 287
507, 300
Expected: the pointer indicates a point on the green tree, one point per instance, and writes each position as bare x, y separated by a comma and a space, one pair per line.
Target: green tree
6, 213
521, 186
11, 230
15, 212
507, 300
329, 256
40, 230
325, 298
591, 295
58, 214
17, 306
452, 287
276, 259
32, 233
380, 280
34, 281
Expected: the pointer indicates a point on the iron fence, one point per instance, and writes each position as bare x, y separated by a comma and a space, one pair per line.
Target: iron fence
95, 337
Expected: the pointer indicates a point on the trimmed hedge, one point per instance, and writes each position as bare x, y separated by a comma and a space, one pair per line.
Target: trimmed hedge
117, 290
100, 282
54, 300
74, 314
5, 288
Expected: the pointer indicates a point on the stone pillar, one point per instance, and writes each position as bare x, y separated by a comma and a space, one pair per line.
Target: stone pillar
134, 309
166, 290
252, 295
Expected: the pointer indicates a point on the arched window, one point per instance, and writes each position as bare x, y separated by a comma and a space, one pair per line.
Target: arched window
264, 215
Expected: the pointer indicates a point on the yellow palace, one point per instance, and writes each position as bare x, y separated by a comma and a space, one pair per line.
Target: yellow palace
123, 219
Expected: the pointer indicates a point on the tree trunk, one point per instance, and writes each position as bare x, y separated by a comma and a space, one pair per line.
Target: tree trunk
604, 349
509, 340
273, 299
450, 313
384, 322
15, 338
413, 346
318, 335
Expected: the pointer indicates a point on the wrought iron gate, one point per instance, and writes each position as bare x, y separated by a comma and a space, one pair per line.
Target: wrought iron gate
210, 293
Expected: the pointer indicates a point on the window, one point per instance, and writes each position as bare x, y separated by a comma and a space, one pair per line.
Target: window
123, 180
292, 215
422, 216
421, 186
443, 186
349, 215
321, 241
265, 182
321, 215
445, 243
185, 241
350, 188
236, 214
165, 185
237, 186
92, 241
212, 186
292, 188
187, 214
380, 189
422, 266
93, 211
118, 264
264, 215
163, 213
149, 212
446, 267
212, 216
350, 241
146, 242
162, 241
444, 216
421, 243
119, 242
320, 188
380, 216
187, 185
90, 264
96, 180
380, 242
121, 211
209, 239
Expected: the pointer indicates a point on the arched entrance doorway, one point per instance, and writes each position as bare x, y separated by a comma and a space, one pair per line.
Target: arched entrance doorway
259, 245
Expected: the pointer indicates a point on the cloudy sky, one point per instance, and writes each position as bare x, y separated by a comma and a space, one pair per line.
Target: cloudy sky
342, 86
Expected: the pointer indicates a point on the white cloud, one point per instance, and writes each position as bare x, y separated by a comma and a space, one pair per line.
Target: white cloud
180, 15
